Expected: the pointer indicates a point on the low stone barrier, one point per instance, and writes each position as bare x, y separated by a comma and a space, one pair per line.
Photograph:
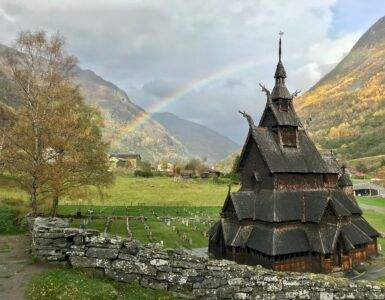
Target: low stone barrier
188, 276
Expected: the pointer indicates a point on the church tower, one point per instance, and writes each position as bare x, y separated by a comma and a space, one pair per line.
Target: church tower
291, 212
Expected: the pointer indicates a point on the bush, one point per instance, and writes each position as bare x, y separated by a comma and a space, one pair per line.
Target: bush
12, 214
140, 173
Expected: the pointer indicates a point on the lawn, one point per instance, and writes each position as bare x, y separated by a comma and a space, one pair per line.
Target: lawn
9, 188
376, 201
73, 284
128, 190
161, 191
186, 228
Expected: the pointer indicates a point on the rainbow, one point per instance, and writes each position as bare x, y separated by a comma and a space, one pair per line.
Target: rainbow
188, 88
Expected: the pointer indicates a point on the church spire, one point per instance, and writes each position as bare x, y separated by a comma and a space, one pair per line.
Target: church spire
280, 71
280, 90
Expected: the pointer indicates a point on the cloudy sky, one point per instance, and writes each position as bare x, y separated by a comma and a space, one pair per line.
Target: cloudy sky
200, 59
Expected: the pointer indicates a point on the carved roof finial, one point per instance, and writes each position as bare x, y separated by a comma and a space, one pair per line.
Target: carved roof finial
248, 118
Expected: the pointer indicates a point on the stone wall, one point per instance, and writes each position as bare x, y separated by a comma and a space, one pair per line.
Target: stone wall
127, 260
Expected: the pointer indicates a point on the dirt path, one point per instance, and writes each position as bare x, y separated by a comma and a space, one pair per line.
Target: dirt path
16, 267
373, 207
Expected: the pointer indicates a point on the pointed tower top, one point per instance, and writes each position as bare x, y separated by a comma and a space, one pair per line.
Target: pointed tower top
280, 51
280, 90
280, 71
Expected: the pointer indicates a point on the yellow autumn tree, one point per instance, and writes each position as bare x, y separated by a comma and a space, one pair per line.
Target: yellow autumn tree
53, 143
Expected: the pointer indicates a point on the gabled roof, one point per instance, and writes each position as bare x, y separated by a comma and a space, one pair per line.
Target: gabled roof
273, 239
364, 226
294, 205
303, 159
283, 118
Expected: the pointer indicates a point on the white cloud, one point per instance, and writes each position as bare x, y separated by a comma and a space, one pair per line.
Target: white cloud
161, 44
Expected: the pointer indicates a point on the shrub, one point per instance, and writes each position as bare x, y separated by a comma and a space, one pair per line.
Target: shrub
140, 173
12, 220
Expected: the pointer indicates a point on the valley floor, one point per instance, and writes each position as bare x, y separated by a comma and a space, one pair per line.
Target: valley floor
175, 214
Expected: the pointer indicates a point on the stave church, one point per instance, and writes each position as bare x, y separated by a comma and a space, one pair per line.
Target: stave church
295, 210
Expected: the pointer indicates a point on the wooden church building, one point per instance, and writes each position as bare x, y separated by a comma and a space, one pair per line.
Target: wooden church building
294, 210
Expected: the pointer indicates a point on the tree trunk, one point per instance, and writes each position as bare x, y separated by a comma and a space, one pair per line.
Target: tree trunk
55, 204
33, 198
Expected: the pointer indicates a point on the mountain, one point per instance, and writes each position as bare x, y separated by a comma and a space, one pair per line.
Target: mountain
346, 108
150, 139
199, 140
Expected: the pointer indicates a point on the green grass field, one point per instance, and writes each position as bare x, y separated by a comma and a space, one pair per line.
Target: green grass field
176, 234
128, 190
376, 201
78, 285
162, 191
198, 201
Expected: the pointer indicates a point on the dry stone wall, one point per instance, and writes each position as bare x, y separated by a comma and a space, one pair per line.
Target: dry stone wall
126, 260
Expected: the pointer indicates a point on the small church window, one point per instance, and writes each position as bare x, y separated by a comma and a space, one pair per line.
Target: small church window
289, 137
284, 105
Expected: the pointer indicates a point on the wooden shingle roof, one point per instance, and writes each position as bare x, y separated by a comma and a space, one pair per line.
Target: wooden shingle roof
274, 239
303, 159
291, 205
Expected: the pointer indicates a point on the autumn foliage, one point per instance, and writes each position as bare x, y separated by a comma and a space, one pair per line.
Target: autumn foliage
52, 144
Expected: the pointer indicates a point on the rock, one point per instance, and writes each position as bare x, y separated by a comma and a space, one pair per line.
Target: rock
87, 262
134, 267
241, 296
153, 284
159, 262
121, 276
131, 247
79, 240
126, 256
102, 252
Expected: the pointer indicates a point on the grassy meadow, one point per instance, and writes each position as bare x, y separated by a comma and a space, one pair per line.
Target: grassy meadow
129, 190
178, 214
76, 284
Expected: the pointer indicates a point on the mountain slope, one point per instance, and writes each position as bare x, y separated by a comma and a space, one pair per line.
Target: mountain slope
347, 106
199, 140
150, 139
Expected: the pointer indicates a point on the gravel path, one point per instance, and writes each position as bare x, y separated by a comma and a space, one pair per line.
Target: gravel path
16, 267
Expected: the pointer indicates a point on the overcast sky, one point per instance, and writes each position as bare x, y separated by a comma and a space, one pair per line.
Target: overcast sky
214, 51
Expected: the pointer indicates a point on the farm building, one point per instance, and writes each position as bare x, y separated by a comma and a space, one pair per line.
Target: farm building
210, 173
125, 160
368, 189
294, 210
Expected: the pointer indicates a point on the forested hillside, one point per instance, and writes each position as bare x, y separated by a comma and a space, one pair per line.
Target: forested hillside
347, 106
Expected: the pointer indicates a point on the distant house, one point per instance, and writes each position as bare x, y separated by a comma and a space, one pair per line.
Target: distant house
210, 173
186, 174
125, 160
166, 168
368, 189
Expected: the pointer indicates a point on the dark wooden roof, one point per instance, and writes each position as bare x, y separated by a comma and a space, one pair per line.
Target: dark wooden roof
303, 159
274, 239
364, 226
295, 205
282, 118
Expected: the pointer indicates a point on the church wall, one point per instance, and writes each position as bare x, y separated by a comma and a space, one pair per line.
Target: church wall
298, 181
